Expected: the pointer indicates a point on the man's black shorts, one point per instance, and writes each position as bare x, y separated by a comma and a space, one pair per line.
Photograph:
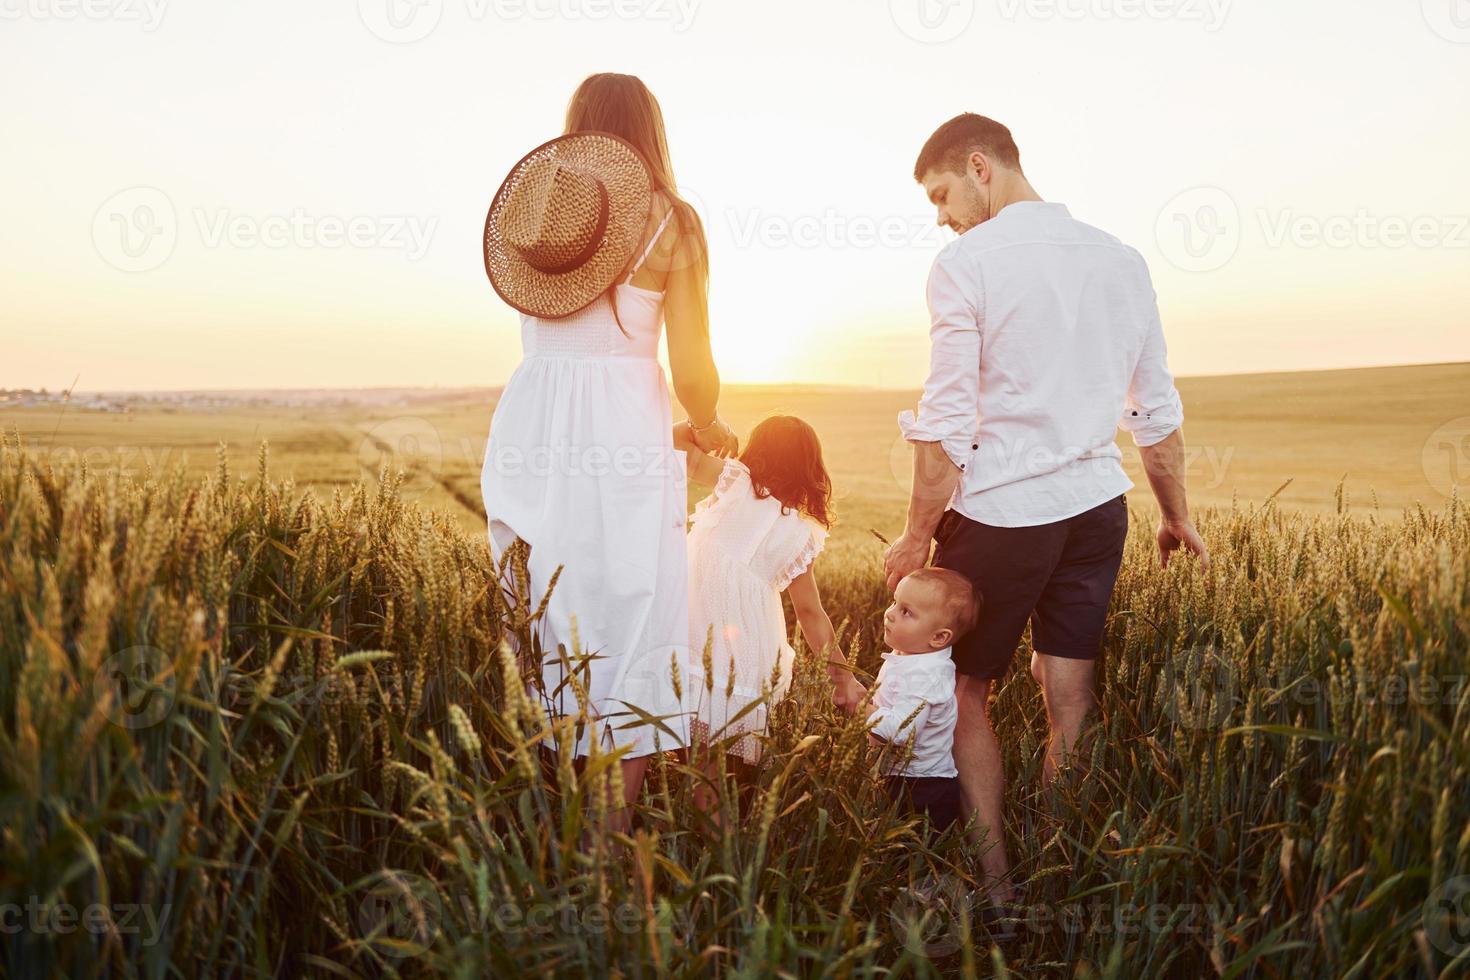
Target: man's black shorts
1060, 576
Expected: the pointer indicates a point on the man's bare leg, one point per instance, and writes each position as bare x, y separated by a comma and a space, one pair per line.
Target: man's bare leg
982, 784
1066, 688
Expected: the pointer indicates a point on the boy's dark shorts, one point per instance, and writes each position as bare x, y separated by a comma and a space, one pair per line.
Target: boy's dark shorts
1060, 576
938, 797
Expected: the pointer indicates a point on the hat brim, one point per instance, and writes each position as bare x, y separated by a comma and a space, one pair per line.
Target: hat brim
629, 186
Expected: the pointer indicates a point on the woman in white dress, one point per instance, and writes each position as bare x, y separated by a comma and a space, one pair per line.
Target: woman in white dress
590, 241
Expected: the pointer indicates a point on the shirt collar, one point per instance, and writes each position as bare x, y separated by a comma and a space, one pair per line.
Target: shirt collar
919, 658
1037, 207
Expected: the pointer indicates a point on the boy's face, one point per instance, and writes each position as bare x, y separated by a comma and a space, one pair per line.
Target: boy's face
915, 622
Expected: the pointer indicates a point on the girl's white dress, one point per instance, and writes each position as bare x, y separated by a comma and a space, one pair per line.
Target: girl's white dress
743, 553
580, 464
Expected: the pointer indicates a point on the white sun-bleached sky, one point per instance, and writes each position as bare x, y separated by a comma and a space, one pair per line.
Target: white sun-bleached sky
283, 194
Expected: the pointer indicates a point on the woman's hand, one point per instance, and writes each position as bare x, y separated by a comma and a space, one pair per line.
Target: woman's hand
717, 439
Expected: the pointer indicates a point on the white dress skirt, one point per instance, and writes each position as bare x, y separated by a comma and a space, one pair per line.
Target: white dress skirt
744, 551
580, 464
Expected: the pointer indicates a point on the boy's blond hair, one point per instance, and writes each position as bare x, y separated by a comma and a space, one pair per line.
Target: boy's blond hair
959, 596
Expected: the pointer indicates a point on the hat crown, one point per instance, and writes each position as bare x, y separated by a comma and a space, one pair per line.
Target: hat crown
556, 216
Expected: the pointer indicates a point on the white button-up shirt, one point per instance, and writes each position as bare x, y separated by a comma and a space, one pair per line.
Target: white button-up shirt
915, 703
1044, 338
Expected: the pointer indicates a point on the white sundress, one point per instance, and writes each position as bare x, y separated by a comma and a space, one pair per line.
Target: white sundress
743, 553
580, 464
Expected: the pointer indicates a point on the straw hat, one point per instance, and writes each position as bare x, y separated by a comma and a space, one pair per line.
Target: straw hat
566, 222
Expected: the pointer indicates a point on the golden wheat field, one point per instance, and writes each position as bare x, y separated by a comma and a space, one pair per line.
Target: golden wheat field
259, 717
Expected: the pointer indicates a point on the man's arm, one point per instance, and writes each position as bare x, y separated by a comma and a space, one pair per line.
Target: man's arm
1154, 415
935, 479
944, 428
1164, 463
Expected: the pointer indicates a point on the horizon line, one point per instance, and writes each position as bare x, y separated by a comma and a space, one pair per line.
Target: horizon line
809, 385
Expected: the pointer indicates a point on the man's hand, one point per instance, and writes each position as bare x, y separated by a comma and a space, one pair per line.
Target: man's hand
847, 692
1174, 535
908, 554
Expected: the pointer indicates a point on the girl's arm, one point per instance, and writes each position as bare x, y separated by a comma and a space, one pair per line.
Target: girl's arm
703, 468
816, 626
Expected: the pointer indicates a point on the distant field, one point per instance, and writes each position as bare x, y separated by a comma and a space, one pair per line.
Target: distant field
1398, 436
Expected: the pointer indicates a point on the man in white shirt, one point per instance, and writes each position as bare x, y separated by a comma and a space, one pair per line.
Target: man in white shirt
1045, 338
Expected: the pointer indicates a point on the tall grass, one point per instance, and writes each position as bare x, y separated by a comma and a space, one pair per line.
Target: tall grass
247, 732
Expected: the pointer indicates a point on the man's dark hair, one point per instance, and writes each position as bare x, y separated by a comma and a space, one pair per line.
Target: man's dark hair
952, 144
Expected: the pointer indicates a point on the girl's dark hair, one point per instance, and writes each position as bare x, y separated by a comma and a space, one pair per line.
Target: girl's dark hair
784, 457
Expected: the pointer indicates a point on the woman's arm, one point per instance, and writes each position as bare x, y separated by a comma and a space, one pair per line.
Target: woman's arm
686, 316
703, 468
816, 626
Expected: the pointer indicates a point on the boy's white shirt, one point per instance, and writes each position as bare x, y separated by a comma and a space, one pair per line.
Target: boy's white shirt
922, 683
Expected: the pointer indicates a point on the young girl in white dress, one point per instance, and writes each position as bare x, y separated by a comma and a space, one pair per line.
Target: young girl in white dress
756, 536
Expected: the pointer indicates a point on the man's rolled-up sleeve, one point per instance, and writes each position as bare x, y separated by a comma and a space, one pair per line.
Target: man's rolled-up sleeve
949, 409
1153, 409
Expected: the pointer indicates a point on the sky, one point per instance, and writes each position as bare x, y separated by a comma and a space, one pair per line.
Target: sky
289, 194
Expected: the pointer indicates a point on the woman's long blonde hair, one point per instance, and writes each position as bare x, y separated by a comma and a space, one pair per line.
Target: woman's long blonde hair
623, 106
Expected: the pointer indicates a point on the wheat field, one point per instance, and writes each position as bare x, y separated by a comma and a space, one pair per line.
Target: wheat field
255, 727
